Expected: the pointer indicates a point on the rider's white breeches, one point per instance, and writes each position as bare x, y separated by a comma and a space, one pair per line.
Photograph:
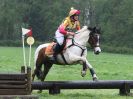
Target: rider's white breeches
59, 37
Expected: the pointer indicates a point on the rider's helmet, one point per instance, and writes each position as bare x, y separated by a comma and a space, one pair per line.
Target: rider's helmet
73, 12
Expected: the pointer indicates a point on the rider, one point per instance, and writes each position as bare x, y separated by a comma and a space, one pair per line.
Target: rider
66, 28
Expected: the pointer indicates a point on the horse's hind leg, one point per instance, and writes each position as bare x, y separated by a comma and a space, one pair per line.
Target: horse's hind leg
37, 71
47, 67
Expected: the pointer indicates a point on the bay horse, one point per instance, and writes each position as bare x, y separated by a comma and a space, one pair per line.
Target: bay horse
75, 53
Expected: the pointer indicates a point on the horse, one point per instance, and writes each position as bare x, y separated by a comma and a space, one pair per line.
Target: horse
75, 52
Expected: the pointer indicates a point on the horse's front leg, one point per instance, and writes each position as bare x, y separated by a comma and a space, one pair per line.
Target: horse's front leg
85, 64
94, 76
83, 72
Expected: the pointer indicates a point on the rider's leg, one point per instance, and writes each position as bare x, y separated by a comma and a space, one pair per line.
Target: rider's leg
58, 47
60, 39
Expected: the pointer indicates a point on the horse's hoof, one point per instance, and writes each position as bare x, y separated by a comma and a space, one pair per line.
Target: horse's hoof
83, 73
95, 79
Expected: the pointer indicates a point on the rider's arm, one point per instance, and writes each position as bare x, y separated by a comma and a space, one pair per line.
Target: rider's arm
63, 31
77, 25
62, 28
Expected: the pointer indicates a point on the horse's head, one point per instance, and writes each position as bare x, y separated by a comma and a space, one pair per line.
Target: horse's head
94, 39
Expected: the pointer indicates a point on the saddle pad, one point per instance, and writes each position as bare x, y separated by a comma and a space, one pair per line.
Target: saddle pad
49, 49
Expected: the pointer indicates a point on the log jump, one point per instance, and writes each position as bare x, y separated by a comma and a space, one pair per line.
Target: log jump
54, 87
21, 84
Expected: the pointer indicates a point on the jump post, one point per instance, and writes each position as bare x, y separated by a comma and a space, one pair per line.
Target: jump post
54, 87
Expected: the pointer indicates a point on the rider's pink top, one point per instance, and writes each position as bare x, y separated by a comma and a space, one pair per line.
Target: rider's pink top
68, 24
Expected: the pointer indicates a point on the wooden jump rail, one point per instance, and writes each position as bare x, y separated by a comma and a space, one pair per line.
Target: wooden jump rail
54, 87
18, 85
15, 84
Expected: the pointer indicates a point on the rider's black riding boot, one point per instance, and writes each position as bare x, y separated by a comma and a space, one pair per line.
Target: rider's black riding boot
56, 49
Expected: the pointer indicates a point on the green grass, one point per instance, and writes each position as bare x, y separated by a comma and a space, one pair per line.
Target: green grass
107, 66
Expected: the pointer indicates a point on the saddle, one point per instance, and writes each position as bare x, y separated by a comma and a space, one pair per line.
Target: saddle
50, 49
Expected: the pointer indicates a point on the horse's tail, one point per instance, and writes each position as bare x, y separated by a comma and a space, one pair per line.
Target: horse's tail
37, 53
37, 71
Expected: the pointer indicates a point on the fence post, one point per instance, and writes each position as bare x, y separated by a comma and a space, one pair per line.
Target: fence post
29, 80
54, 90
125, 89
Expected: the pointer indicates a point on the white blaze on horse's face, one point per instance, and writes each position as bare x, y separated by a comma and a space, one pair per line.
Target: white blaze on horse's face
97, 49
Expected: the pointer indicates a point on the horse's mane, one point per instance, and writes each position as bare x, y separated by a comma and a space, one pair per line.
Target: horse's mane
82, 29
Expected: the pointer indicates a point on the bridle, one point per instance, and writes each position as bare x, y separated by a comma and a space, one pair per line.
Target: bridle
93, 41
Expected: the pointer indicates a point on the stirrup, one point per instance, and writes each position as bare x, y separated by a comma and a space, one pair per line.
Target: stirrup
53, 58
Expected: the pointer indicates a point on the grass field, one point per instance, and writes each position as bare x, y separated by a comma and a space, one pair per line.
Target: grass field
107, 66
